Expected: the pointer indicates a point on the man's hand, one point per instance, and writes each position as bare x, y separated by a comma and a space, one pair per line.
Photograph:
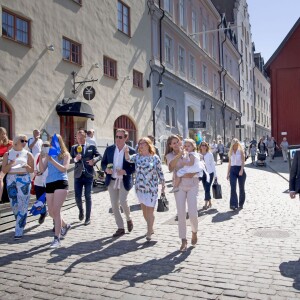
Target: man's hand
90, 162
121, 172
108, 171
78, 157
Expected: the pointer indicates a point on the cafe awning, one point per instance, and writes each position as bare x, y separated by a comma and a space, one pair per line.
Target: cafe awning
79, 109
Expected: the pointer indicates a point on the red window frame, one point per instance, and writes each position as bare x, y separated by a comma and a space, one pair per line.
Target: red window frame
74, 51
121, 21
17, 29
110, 67
137, 79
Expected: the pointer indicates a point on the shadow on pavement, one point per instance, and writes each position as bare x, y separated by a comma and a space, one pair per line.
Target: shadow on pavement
226, 216
291, 269
96, 252
151, 269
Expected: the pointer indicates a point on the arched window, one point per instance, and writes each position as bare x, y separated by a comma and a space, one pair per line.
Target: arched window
167, 115
5, 117
173, 117
127, 124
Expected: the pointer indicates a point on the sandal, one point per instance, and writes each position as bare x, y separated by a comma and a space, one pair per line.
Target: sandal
183, 246
194, 238
205, 207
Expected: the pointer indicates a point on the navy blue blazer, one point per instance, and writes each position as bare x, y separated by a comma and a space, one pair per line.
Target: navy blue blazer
108, 158
295, 173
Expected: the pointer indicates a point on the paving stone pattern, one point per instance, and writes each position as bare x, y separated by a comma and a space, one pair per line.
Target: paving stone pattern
248, 254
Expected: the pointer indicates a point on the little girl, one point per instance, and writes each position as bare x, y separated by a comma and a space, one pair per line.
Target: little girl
192, 164
253, 151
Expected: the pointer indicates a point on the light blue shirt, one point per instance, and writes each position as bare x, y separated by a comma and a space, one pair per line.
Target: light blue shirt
53, 173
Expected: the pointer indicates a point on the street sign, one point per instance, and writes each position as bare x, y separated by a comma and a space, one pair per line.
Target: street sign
89, 93
196, 124
239, 126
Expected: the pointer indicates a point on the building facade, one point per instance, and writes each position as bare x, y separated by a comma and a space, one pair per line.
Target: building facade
53, 51
284, 70
262, 97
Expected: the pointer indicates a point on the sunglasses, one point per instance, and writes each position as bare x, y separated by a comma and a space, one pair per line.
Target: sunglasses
119, 137
23, 141
46, 145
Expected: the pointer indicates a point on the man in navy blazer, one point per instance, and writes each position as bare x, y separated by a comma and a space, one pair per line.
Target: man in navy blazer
295, 175
119, 179
85, 156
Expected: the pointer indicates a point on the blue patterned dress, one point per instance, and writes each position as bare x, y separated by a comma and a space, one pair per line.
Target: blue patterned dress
148, 175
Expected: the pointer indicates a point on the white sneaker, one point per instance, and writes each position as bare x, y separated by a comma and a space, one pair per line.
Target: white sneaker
64, 230
174, 190
55, 244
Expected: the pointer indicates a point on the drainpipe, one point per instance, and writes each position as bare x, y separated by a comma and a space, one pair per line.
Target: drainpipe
240, 103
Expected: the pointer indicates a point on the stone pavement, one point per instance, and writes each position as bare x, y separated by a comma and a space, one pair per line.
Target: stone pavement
248, 254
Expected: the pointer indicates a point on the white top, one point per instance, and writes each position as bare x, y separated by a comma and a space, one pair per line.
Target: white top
91, 141
20, 158
37, 147
39, 180
210, 163
236, 158
214, 148
118, 161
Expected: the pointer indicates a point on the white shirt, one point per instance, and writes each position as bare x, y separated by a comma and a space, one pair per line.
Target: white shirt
210, 163
118, 161
37, 147
91, 141
236, 158
39, 180
214, 148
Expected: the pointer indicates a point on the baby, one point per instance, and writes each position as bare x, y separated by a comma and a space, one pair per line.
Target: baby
192, 164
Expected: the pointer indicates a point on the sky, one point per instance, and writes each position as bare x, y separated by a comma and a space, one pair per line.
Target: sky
271, 21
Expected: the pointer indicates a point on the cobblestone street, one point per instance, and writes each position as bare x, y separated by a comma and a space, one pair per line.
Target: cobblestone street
252, 253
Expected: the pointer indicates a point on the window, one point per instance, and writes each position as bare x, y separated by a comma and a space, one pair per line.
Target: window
137, 79
242, 46
204, 35
192, 67
168, 116
194, 23
248, 114
173, 117
213, 50
110, 67
215, 84
168, 50
182, 13
181, 59
15, 27
204, 75
168, 6
71, 51
244, 107
123, 18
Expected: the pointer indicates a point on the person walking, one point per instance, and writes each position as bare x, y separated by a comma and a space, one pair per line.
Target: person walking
18, 164
57, 186
119, 179
91, 137
294, 182
35, 143
214, 150
211, 170
187, 194
271, 148
148, 175
85, 155
252, 152
284, 146
40, 177
220, 150
236, 172
262, 148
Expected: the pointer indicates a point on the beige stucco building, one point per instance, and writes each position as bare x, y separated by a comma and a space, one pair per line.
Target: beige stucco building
47, 45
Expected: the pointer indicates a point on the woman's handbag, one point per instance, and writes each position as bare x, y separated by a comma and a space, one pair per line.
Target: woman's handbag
217, 190
163, 203
32, 190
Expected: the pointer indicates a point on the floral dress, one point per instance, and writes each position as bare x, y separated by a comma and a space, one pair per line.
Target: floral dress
148, 175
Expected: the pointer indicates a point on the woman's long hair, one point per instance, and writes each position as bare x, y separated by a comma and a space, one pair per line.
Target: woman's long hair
63, 148
235, 142
168, 147
206, 145
149, 143
5, 139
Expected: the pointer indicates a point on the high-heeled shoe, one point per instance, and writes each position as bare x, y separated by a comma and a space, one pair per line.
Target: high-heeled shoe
194, 238
183, 246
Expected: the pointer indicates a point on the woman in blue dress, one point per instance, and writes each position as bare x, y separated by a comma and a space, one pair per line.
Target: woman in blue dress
148, 175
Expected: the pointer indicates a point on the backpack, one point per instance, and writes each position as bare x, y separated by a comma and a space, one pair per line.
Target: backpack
28, 143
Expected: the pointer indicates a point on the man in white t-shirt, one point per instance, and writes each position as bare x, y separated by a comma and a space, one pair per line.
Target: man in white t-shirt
91, 137
35, 143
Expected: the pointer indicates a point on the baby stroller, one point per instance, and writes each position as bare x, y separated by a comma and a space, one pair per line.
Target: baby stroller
261, 160
99, 176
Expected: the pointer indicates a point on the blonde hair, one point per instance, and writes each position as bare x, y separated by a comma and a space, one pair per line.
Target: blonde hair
150, 144
168, 147
206, 145
192, 142
235, 142
5, 139
19, 137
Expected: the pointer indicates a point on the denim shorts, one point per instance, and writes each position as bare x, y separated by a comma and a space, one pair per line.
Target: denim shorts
57, 185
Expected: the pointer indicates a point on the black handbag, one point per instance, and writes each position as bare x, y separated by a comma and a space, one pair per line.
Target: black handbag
217, 190
163, 203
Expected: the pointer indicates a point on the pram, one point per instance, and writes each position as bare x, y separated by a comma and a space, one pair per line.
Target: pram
99, 176
261, 160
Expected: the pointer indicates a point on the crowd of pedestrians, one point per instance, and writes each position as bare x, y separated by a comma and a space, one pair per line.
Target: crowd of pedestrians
189, 163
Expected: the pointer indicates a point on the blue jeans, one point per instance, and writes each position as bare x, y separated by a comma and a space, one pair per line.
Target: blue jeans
207, 185
87, 183
233, 177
